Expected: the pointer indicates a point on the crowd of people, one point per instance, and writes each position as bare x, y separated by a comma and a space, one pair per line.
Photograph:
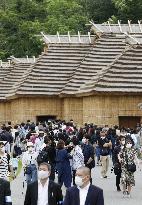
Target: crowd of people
60, 147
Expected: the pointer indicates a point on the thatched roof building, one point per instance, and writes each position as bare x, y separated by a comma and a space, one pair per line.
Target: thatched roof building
89, 78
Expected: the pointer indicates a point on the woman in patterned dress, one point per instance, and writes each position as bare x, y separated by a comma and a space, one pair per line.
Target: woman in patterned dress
127, 156
3, 162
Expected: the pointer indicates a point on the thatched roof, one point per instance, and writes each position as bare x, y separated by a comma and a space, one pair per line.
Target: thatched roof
123, 75
105, 63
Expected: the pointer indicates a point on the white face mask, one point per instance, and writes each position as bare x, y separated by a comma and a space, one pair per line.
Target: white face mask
83, 140
78, 181
103, 138
43, 174
129, 146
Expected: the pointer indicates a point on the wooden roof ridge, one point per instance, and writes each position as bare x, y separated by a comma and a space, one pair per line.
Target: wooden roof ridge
118, 28
78, 38
25, 60
89, 86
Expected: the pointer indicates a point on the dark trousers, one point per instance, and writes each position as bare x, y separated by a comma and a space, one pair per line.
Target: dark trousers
73, 176
118, 177
52, 175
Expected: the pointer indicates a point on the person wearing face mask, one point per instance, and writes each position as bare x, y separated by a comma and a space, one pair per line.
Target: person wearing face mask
43, 191
105, 146
120, 143
29, 162
83, 193
128, 158
39, 141
88, 153
3, 161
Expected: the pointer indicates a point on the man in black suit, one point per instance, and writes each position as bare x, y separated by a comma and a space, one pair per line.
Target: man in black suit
83, 193
5, 193
43, 191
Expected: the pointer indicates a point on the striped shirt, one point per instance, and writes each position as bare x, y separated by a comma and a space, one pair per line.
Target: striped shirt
3, 166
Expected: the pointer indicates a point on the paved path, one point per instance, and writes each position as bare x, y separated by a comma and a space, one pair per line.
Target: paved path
112, 197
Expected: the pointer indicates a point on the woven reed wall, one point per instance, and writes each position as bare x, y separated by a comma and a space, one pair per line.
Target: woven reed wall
106, 109
72, 109
5, 112
98, 109
23, 109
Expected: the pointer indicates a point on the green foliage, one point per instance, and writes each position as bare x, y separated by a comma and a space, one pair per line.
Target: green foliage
21, 21
129, 9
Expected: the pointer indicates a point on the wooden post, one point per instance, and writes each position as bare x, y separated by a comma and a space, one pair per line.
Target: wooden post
69, 37
89, 36
129, 23
139, 22
9, 62
27, 59
109, 26
46, 38
119, 24
79, 37
34, 59
59, 40
0, 63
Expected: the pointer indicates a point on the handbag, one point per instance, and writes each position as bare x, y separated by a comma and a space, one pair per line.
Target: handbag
28, 169
117, 168
130, 167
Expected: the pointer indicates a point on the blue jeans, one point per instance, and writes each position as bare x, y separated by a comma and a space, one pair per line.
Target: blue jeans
32, 177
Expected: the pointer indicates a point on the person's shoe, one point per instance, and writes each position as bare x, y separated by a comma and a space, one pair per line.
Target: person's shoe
118, 188
124, 194
128, 195
105, 177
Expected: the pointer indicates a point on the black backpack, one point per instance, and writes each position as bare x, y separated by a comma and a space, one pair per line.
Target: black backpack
42, 157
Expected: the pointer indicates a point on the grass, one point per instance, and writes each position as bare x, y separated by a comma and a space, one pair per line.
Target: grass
18, 170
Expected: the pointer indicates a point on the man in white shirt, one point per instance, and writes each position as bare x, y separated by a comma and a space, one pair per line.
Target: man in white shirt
83, 193
43, 191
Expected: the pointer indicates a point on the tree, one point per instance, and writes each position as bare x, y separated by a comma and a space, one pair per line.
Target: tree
64, 16
98, 10
129, 9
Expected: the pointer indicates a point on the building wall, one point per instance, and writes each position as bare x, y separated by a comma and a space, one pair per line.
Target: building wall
107, 109
100, 110
5, 112
73, 109
28, 108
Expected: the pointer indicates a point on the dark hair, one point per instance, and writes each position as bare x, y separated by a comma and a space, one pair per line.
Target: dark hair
46, 140
60, 144
46, 164
75, 142
129, 139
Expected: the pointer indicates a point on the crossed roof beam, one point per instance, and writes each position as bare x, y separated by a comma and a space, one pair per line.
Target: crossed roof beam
129, 33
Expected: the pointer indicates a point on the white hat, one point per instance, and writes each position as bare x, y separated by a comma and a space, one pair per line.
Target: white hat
30, 144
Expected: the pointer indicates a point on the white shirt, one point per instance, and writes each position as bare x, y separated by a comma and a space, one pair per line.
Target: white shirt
83, 194
78, 158
43, 193
29, 158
